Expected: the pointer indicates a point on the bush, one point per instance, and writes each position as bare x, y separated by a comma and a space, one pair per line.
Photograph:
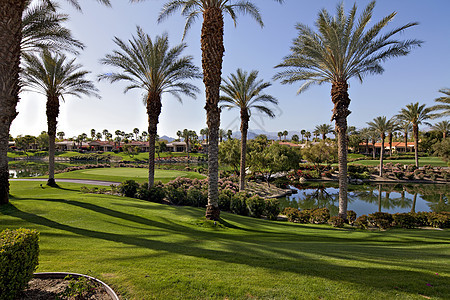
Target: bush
362, 222
439, 220
196, 197
319, 216
143, 192
19, 251
336, 221
255, 206
304, 216
271, 208
225, 199
381, 220
175, 195
351, 217
404, 220
156, 194
421, 218
238, 204
128, 188
291, 213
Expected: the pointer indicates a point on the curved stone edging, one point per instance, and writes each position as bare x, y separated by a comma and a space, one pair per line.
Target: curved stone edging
62, 275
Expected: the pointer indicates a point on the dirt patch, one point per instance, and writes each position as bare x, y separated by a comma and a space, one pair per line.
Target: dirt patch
44, 289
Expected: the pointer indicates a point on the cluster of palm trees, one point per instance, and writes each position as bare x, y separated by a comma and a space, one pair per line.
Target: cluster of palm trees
342, 47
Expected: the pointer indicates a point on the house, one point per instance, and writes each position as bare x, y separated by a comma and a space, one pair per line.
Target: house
68, 145
176, 147
105, 146
396, 147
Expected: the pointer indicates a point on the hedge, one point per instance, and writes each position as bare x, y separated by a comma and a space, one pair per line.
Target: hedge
19, 251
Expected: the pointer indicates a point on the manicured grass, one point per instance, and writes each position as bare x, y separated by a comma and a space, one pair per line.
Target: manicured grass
153, 251
434, 161
122, 174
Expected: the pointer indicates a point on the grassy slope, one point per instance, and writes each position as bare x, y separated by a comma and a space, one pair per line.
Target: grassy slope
151, 251
122, 174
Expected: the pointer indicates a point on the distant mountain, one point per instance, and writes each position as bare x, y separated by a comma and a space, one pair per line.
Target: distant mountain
167, 138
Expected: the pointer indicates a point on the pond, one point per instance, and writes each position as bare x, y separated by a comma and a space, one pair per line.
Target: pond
370, 198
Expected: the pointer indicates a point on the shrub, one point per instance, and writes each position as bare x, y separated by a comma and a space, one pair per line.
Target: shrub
421, 218
271, 208
319, 216
156, 194
439, 220
143, 192
128, 188
255, 206
19, 251
380, 219
304, 216
196, 197
351, 217
291, 213
238, 205
225, 199
175, 195
404, 220
336, 221
362, 222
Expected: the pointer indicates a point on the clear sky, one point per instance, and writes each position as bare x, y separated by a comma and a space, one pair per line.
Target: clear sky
416, 77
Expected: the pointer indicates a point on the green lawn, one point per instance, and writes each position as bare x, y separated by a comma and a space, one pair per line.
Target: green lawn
122, 174
153, 251
434, 161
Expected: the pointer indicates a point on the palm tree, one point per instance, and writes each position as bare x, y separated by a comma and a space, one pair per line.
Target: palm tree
280, 134
55, 77
245, 92
442, 127
393, 126
307, 135
93, 133
222, 134
295, 138
99, 136
341, 49
61, 135
416, 115
324, 129
380, 125
150, 65
229, 134
445, 106
285, 133
212, 56
302, 132
406, 127
105, 133
11, 12
179, 134
373, 137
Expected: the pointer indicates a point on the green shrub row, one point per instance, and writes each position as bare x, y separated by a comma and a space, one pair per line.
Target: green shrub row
19, 251
194, 192
380, 220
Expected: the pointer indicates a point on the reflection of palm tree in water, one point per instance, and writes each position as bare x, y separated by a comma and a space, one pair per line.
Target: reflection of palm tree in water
320, 198
413, 207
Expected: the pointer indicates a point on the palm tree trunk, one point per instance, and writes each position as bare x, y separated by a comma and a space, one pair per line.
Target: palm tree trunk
373, 149
416, 143
212, 57
406, 141
367, 145
413, 207
341, 102
153, 111
244, 129
52, 115
390, 144
379, 198
10, 37
381, 155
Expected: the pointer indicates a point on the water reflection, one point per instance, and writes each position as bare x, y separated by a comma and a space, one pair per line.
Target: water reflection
368, 199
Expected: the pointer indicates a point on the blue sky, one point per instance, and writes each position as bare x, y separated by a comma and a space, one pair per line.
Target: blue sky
416, 77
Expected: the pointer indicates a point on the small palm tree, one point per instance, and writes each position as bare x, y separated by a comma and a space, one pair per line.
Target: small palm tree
285, 133
55, 77
341, 49
405, 127
324, 129
445, 104
93, 133
212, 56
442, 127
302, 132
280, 134
244, 91
136, 133
365, 136
393, 127
380, 126
61, 135
295, 138
105, 133
150, 65
307, 135
416, 115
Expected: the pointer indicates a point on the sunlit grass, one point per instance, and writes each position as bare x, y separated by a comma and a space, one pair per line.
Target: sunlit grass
152, 251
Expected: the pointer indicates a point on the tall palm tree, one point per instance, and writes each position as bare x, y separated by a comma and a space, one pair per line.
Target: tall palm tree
405, 127
245, 92
445, 106
280, 134
55, 77
212, 56
380, 125
11, 42
105, 133
442, 127
416, 115
61, 135
302, 132
324, 129
365, 135
393, 127
285, 133
341, 49
307, 135
136, 132
150, 65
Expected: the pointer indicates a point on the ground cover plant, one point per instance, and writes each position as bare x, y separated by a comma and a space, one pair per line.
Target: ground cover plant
152, 251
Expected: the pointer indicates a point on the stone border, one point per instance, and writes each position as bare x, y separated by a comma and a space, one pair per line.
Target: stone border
62, 275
